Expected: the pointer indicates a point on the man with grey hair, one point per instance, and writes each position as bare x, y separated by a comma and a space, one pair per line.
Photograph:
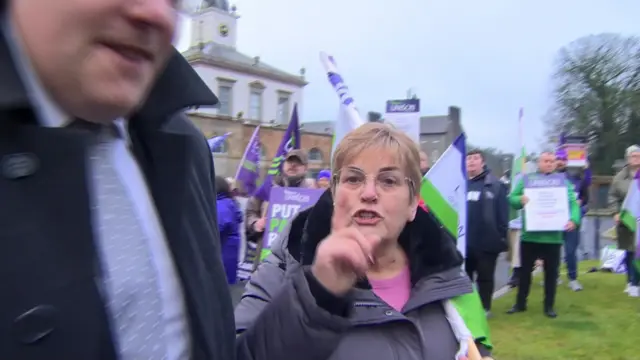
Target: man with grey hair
543, 245
109, 246
625, 236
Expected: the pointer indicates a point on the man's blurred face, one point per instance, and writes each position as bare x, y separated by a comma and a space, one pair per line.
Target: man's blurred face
97, 58
323, 183
424, 162
634, 159
475, 163
294, 167
547, 163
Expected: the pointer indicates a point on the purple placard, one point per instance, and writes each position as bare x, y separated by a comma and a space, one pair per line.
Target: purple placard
403, 106
544, 181
284, 205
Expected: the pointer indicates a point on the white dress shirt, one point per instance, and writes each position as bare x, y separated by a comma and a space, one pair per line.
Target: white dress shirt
50, 115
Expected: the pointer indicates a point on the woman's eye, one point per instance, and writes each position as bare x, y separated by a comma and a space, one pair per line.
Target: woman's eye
353, 179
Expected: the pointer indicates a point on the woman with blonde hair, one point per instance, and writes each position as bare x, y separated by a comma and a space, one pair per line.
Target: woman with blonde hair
413, 301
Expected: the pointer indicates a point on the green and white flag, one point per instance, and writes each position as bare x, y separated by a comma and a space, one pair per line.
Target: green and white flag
631, 205
517, 170
444, 191
630, 213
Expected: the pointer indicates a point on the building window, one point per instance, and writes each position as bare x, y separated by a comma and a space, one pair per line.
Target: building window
224, 97
313, 173
315, 155
255, 104
282, 117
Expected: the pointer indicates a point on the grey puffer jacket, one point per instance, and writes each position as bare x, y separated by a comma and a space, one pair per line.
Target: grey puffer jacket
371, 330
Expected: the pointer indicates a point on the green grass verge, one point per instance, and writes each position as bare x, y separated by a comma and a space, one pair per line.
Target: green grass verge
600, 322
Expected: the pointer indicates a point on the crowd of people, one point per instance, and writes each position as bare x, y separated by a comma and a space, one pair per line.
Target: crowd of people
489, 200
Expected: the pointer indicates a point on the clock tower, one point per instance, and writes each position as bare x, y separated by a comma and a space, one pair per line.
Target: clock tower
215, 22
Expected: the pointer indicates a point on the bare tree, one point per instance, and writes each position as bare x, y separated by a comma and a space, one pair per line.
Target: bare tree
597, 80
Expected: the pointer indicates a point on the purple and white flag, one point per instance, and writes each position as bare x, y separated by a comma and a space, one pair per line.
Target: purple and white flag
216, 142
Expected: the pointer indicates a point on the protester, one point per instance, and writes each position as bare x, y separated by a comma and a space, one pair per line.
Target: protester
229, 222
233, 187
403, 289
625, 237
424, 169
424, 163
506, 179
294, 170
541, 245
487, 225
324, 179
572, 238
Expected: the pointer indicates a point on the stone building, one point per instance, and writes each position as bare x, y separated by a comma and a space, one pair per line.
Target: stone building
227, 158
251, 93
246, 86
438, 132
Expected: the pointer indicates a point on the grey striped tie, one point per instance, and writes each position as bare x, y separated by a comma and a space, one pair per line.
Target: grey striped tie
130, 277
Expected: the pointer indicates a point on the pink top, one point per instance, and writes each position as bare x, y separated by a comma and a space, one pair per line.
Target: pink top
394, 291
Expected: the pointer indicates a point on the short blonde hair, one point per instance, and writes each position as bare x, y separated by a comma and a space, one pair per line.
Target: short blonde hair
376, 135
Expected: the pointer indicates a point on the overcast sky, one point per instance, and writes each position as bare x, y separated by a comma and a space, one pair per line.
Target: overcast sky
488, 57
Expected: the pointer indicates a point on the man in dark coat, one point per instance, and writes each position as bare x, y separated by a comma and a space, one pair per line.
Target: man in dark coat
487, 225
109, 247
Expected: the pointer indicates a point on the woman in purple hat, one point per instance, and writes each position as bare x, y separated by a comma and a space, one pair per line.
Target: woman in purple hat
324, 179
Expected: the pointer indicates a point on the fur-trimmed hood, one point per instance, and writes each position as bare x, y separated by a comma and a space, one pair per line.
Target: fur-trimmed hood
429, 248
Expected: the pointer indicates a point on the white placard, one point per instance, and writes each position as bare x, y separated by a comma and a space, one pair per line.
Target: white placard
547, 209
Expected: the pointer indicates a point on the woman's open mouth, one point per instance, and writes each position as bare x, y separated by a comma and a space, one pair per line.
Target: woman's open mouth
367, 217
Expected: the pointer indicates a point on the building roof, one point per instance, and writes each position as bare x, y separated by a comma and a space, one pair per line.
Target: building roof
229, 58
434, 125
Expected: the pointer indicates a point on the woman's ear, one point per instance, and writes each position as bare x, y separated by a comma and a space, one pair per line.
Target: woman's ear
413, 208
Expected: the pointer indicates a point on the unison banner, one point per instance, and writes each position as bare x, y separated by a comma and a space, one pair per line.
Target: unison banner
405, 115
284, 205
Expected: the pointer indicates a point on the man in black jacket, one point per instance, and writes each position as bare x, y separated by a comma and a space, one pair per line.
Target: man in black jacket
109, 246
487, 225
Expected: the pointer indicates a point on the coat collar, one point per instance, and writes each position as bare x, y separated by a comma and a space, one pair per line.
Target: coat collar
429, 248
178, 87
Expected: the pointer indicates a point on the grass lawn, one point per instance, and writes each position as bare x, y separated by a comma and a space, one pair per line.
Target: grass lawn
600, 322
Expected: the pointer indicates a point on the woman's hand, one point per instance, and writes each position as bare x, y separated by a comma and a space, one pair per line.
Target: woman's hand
343, 256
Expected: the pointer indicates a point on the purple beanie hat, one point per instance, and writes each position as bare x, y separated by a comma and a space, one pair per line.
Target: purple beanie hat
324, 174
561, 154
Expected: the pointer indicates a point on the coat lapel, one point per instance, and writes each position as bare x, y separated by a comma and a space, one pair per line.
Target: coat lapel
164, 158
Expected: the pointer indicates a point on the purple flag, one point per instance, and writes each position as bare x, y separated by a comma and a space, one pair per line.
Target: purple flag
248, 171
290, 141
217, 141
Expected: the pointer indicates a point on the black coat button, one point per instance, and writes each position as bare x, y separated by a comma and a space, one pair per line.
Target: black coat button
35, 324
16, 166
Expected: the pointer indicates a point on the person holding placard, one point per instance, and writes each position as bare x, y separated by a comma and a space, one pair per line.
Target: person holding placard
550, 209
572, 238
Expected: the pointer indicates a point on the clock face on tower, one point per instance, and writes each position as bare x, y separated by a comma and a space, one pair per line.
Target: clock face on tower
224, 30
